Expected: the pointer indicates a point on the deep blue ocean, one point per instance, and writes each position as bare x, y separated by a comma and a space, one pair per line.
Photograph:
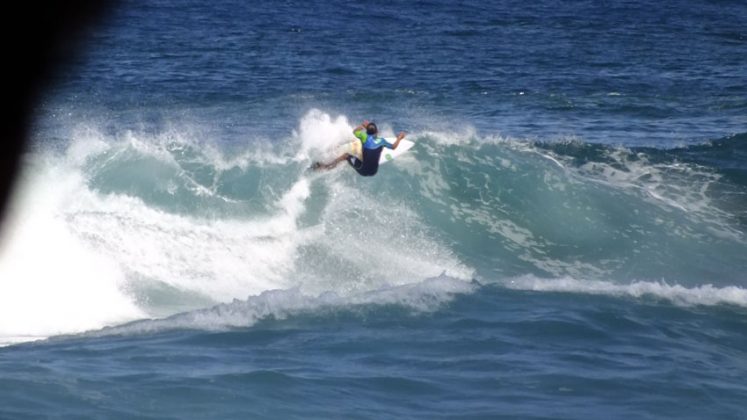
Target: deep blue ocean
567, 239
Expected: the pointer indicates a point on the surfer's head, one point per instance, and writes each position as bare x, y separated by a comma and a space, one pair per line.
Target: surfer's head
371, 129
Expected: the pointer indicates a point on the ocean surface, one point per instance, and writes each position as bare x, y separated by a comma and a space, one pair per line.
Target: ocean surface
567, 239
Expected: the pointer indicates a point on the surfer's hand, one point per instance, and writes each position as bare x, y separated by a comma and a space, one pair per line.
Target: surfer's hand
401, 135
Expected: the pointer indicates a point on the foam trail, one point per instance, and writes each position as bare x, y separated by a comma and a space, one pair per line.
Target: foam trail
707, 295
220, 259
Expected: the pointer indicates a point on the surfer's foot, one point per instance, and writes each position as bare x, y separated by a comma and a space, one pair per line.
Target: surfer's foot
318, 166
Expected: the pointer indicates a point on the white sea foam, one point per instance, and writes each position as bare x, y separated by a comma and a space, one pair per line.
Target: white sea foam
423, 296
50, 282
706, 294
318, 132
373, 241
76, 259
72, 259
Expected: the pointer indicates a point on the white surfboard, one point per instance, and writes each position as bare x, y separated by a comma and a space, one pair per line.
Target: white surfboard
355, 147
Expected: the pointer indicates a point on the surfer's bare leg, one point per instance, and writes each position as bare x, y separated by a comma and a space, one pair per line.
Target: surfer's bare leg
332, 164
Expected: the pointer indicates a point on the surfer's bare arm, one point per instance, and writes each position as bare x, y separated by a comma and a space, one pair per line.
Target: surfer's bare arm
362, 126
400, 136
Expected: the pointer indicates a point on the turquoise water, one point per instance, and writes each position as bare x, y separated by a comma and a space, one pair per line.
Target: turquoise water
565, 240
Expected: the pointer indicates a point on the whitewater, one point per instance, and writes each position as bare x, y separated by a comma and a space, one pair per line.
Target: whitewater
138, 227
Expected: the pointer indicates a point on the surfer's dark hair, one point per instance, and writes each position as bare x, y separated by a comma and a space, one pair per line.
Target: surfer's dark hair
371, 128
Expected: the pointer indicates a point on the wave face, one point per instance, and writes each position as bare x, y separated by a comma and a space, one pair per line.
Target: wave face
586, 211
149, 225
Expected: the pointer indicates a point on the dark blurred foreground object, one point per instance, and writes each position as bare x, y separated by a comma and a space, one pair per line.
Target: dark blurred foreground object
38, 38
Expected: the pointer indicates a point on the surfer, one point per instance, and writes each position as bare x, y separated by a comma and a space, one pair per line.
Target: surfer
372, 147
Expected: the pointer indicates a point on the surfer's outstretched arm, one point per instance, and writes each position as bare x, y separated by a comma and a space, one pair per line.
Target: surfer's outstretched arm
361, 127
400, 136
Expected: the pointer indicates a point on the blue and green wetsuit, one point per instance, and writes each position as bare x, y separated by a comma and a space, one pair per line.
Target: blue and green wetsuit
372, 147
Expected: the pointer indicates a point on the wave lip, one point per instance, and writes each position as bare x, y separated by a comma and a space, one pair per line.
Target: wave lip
703, 295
